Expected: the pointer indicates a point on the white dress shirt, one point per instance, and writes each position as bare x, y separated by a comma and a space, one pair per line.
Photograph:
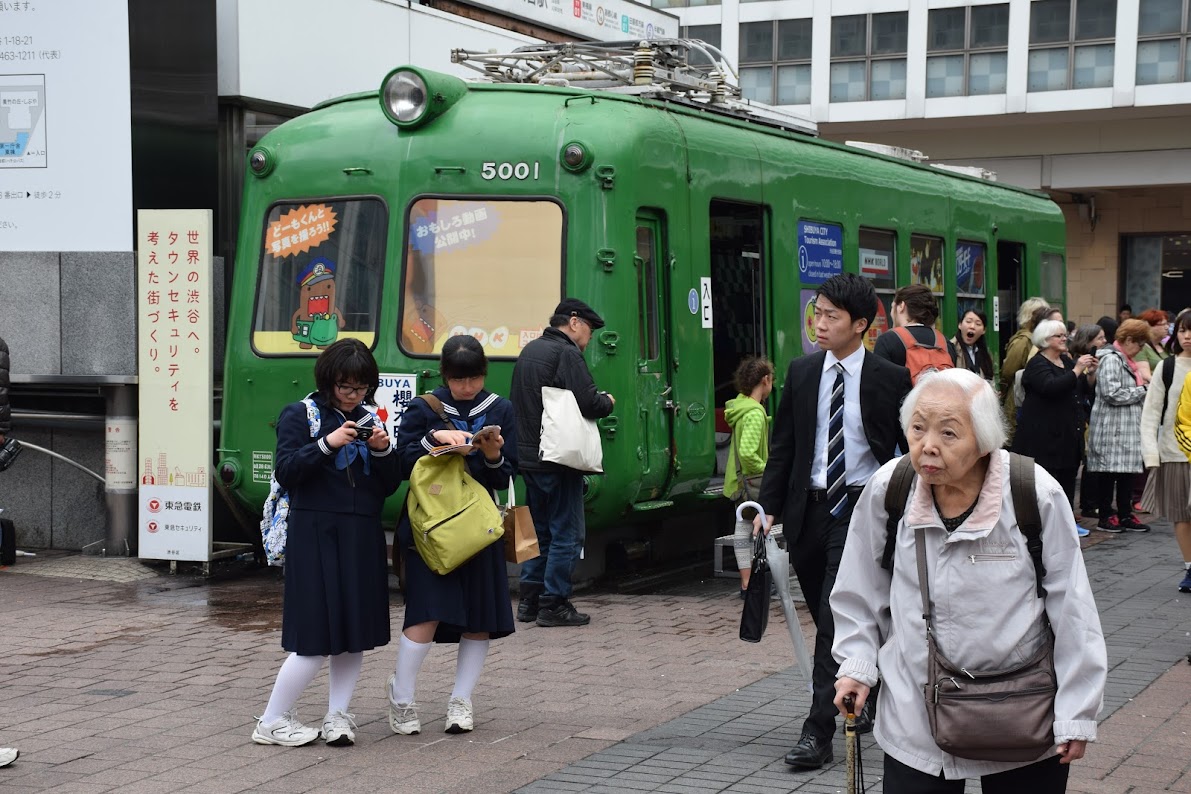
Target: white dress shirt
859, 461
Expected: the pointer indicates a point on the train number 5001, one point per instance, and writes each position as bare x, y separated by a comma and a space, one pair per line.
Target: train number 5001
506, 171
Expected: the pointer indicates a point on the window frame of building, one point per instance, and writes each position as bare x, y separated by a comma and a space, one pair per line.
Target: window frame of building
1181, 37
777, 62
694, 57
870, 57
1072, 46
966, 49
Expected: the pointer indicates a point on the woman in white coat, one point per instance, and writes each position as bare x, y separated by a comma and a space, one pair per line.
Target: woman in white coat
986, 613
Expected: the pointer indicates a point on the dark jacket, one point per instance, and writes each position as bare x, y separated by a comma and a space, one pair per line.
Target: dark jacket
5, 411
419, 421
883, 386
310, 475
550, 360
1050, 427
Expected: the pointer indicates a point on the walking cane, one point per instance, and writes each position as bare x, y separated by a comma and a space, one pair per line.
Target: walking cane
852, 744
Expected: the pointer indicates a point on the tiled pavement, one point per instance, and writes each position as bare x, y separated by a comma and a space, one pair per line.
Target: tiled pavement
735, 743
150, 686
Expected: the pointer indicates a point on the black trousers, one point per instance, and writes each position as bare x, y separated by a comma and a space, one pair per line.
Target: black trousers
1122, 484
815, 557
1043, 777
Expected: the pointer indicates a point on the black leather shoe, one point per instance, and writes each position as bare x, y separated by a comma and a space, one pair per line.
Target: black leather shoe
811, 752
864, 720
562, 613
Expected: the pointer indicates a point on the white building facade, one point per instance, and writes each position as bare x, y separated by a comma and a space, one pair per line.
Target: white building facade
1088, 100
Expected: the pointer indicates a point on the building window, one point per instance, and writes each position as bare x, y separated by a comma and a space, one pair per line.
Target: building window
1164, 46
705, 33
972, 46
1071, 44
682, 3
775, 61
868, 57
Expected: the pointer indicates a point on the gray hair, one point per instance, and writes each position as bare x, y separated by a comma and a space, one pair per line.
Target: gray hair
1045, 330
1025, 314
985, 412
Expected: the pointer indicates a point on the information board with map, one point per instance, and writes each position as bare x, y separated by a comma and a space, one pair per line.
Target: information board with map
22, 121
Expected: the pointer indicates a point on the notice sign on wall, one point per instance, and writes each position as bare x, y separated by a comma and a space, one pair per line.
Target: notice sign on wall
174, 310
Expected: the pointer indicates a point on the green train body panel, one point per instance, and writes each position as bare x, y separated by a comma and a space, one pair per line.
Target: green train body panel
664, 168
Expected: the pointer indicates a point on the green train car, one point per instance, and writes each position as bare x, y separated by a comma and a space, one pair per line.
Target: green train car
696, 223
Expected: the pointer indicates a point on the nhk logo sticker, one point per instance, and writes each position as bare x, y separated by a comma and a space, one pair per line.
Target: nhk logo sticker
154, 506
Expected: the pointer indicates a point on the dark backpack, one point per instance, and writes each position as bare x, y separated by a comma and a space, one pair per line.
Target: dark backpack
1167, 367
1025, 505
922, 357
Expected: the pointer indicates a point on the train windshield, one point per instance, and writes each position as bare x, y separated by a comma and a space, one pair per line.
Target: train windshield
490, 268
320, 276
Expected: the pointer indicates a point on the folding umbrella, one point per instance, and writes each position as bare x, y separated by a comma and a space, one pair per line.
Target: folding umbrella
779, 566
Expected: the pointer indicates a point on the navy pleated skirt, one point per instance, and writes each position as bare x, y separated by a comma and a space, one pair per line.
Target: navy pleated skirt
473, 598
336, 584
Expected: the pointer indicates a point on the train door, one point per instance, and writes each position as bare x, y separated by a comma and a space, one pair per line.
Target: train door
738, 303
655, 390
1011, 286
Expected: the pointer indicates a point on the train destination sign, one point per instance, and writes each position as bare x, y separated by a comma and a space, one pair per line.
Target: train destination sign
598, 20
820, 251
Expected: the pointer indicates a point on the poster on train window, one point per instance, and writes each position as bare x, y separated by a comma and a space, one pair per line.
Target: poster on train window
820, 251
969, 268
926, 262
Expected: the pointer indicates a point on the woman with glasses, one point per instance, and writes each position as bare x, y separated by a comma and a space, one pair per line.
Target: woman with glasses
470, 606
1050, 429
335, 462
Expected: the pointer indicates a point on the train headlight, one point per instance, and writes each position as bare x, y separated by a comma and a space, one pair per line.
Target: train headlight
410, 97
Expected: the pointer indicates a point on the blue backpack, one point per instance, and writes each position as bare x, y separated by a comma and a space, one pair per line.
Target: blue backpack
275, 518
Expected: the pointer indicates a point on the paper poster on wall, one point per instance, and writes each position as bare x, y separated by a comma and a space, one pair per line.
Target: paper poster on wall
392, 398
820, 251
880, 323
969, 268
810, 340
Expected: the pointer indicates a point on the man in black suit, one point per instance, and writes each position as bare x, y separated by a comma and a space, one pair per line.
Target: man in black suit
836, 423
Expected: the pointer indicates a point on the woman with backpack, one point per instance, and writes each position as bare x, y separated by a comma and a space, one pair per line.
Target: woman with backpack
336, 600
470, 605
745, 414
1169, 487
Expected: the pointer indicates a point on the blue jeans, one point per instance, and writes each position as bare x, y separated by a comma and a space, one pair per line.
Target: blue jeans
556, 504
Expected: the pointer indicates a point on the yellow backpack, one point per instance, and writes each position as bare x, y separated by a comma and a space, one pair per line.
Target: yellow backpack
452, 516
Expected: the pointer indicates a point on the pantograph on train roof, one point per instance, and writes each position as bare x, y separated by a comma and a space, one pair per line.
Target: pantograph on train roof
653, 68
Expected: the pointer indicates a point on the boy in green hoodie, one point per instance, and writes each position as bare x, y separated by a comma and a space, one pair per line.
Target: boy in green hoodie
745, 414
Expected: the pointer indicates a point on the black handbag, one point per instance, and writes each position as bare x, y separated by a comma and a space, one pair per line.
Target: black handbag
755, 616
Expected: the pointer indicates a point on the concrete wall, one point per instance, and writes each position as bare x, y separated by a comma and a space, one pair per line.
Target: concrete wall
68, 317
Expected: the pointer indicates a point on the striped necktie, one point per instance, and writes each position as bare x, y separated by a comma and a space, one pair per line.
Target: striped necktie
837, 496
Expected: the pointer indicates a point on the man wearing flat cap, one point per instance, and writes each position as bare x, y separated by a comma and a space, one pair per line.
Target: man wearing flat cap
554, 492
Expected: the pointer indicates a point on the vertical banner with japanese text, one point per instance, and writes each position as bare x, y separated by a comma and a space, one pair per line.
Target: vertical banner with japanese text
174, 311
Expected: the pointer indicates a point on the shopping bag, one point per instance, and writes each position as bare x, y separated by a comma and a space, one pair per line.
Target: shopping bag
521, 539
568, 437
755, 616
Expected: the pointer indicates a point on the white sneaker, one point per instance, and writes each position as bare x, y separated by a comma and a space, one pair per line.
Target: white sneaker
403, 718
459, 717
337, 728
286, 731
8, 755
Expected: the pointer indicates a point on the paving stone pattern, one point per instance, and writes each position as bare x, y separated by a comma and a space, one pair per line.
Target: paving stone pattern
150, 686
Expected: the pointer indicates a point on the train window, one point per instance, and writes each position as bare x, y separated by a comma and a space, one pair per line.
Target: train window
969, 277
648, 292
878, 265
488, 268
1052, 278
926, 262
320, 276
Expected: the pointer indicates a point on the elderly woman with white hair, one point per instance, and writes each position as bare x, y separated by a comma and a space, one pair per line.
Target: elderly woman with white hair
991, 607
1050, 427
1018, 350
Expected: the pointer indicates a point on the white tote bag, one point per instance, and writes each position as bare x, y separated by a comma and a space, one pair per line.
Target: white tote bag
568, 437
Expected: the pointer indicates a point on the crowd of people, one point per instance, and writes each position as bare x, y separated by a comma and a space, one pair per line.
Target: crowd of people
1068, 397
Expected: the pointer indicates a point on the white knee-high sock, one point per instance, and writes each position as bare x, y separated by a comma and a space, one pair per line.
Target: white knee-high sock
410, 656
469, 666
295, 675
345, 672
